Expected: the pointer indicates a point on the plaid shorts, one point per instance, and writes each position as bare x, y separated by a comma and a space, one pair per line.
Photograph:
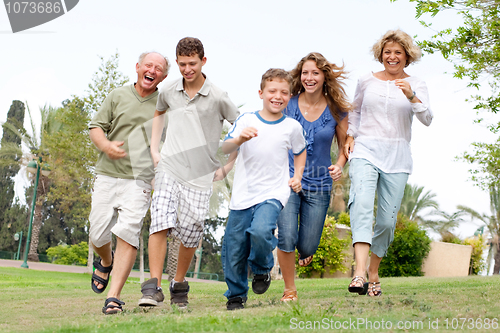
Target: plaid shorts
178, 208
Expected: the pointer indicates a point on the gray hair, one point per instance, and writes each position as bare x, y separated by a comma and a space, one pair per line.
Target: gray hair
143, 55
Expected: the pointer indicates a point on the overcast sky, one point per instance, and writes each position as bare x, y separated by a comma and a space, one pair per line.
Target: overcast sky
49, 63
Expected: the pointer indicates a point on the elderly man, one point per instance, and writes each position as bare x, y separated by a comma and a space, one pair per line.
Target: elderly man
122, 190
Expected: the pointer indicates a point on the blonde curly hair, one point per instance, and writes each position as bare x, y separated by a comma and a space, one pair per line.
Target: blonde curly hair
413, 52
336, 97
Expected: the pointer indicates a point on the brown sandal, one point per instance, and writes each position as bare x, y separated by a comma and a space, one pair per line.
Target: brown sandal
306, 262
357, 288
374, 289
289, 295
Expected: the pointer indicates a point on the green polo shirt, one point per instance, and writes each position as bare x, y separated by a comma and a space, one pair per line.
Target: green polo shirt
126, 116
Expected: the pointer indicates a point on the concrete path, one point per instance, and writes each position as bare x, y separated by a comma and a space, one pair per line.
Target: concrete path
43, 266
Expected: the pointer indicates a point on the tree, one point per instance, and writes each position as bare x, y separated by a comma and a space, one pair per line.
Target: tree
492, 222
105, 79
414, 203
473, 49
445, 224
10, 146
34, 143
486, 158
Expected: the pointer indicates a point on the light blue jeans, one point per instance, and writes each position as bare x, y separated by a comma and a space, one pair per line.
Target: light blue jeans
249, 240
365, 179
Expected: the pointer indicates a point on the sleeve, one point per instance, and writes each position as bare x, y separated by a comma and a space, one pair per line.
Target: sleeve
227, 109
161, 103
236, 128
298, 140
355, 115
104, 115
422, 110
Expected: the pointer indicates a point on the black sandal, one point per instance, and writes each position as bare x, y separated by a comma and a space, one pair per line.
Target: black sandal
374, 288
97, 278
358, 289
115, 308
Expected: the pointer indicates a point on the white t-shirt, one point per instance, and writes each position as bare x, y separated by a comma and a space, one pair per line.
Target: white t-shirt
381, 122
262, 171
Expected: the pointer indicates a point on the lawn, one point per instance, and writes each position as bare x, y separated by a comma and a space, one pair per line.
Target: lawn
37, 301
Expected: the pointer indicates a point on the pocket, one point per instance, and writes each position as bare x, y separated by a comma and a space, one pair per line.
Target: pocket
352, 195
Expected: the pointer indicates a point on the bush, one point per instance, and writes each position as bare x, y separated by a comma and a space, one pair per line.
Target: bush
330, 253
407, 252
477, 263
69, 255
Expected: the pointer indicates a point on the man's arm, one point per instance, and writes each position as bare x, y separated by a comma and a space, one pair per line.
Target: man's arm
158, 124
110, 148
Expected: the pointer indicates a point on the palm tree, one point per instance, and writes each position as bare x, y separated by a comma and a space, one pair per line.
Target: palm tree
492, 222
414, 203
34, 143
446, 222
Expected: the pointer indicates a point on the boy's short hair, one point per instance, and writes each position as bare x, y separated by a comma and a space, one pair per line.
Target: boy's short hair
275, 73
189, 46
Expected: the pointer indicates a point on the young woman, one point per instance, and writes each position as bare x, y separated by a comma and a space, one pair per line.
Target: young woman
320, 105
378, 147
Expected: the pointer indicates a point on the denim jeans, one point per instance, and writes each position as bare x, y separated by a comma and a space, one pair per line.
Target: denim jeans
300, 224
365, 179
249, 240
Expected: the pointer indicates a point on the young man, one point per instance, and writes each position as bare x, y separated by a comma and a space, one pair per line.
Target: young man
185, 167
124, 171
261, 187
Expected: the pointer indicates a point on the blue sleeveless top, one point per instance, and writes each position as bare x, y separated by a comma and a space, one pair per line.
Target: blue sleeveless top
319, 136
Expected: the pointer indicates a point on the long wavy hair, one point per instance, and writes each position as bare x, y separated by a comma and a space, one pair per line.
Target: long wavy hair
336, 97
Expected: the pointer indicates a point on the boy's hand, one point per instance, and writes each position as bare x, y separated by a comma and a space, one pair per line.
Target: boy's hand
156, 158
219, 174
114, 151
247, 134
295, 184
335, 172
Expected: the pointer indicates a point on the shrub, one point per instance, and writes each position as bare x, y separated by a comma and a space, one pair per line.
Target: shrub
477, 263
69, 255
407, 252
330, 253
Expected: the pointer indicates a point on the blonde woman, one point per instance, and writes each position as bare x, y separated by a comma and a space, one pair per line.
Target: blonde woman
378, 148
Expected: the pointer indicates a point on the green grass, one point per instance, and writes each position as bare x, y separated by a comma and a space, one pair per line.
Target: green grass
36, 301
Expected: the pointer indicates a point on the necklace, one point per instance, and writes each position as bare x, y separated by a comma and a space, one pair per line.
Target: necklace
306, 112
387, 79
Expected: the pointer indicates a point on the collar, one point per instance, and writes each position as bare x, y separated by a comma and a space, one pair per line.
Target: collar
205, 89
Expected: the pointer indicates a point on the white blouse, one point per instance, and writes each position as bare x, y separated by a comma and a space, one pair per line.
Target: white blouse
381, 122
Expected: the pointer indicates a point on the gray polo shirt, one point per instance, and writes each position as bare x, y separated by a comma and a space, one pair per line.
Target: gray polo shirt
193, 130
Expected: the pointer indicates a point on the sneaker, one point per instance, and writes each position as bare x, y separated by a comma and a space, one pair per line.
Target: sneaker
179, 294
236, 303
261, 283
152, 295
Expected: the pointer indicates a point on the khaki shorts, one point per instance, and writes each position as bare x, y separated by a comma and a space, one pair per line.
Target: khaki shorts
118, 207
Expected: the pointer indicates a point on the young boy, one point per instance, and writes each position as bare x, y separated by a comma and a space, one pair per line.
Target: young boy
261, 186
185, 167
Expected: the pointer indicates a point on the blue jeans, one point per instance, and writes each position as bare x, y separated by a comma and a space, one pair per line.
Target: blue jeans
300, 224
365, 179
249, 240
